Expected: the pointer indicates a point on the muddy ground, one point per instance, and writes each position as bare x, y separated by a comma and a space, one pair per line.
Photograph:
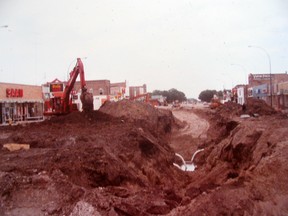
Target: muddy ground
119, 161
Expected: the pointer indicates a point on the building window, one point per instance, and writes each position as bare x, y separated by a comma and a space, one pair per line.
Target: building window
101, 91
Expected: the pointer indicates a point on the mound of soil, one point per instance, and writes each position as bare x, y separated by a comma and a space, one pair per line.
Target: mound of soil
258, 106
139, 112
252, 107
110, 165
229, 109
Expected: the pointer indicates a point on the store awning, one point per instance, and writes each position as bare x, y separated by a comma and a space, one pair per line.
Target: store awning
57, 94
21, 100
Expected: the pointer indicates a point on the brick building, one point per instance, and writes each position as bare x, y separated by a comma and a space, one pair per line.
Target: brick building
135, 91
96, 87
102, 91
259, 79
20, 103
282, 96
118, 91
269, 87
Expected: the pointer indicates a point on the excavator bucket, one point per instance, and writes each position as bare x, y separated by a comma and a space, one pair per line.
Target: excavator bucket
87, 100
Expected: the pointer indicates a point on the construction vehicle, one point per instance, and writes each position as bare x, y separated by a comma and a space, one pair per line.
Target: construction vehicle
141, 97
146, 98
215, 102
61, 103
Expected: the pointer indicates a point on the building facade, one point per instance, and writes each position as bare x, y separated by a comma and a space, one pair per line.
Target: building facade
241, 94
96, 87
282, 96
135, 91
20, 103
269, 88
118, 91
102, 91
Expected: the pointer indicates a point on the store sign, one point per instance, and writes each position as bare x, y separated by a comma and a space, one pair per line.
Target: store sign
56, 87
260, 76
10, 92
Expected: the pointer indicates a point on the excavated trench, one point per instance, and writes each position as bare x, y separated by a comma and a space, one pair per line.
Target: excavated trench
119, 161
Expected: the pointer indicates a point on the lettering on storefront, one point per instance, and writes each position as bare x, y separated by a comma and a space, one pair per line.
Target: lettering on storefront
259, 76
56, 87
10, 92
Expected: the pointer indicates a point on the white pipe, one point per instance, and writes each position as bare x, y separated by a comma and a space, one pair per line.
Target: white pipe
183, 161
177, 165
181, 158
196, 153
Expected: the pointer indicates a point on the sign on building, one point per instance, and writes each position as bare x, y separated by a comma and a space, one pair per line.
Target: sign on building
11, 92
56, 87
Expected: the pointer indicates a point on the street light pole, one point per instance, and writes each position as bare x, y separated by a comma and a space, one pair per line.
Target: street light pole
269, 68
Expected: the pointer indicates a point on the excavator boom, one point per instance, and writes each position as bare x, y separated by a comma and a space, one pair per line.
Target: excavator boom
64, 103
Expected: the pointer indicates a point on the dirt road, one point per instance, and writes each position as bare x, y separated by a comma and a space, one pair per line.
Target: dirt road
196, 126
187, 139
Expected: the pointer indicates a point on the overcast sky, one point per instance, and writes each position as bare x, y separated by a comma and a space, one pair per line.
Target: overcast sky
190, 45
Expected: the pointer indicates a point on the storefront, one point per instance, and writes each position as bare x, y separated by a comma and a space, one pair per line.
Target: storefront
282, 96
20, 103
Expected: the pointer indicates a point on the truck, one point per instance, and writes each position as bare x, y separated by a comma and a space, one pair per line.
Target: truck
62, 103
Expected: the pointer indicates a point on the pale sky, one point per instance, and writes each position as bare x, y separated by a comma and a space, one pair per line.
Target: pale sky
190, 45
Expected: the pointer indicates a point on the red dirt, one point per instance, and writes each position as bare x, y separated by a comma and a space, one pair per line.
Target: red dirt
119, 161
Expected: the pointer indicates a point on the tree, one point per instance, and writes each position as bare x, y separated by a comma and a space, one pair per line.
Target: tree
207, 95
171, 95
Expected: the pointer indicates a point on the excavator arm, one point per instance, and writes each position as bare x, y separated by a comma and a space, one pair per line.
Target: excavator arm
62, 103
85, 97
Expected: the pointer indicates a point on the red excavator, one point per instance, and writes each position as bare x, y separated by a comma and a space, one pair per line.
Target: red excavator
62, 104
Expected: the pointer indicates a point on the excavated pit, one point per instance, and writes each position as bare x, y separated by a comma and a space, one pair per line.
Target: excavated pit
119, 161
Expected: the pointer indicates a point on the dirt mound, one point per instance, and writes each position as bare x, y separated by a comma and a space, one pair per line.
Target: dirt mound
252, 107
139, 112
116, 164
257, 106
229, 109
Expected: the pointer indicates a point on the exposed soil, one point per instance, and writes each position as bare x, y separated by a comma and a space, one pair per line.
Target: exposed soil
119, 161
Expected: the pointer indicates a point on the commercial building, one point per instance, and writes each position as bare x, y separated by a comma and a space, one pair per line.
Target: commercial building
118, 91
241, 94
22, 103
135, 91
19, 103
269, 87
102, 91
282, 96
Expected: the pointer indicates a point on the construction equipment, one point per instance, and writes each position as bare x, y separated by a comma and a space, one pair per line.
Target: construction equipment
61, 103
215, 103
141, 97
